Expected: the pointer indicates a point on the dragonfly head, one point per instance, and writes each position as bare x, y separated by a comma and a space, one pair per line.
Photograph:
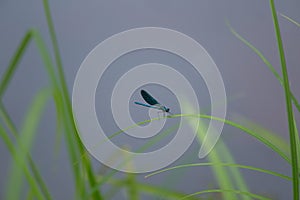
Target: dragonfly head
167, 109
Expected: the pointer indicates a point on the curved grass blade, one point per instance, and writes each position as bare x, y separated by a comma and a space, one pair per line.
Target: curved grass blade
227, 191
233, 165
273, 137
266, 61
250, 132
228, 122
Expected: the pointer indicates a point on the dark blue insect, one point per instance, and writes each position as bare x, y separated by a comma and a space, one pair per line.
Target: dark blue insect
152, 103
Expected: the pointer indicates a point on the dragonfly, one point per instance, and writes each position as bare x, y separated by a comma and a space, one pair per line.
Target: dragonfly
152, 102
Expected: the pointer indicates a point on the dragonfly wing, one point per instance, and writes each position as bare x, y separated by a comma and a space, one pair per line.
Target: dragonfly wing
142, 104
148, 98
146, 105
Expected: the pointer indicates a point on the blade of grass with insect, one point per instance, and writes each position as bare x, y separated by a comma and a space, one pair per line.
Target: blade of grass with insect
226, 156
289, 108
228, 122
24, 143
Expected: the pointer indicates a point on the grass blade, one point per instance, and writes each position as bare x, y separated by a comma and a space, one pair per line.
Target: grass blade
230, 165
67, 104
289, 108
248, 194
10, 146
291, 20
38, 178
267, 63
14, 63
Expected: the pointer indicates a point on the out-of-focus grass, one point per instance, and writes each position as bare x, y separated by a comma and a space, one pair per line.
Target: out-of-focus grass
23, 145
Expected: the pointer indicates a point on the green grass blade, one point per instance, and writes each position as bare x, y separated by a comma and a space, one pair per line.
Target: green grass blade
237, 177
5, 79
131, 184
289, 108
67, 102
10, 146
272, 137
45, 57
298, 144
38, 178
24, 143
91, 178
238, 126
252, 133
266, 61
7, 120
255, 196
30, 195
230, 165
290, 19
